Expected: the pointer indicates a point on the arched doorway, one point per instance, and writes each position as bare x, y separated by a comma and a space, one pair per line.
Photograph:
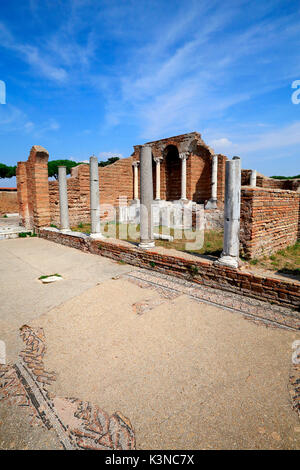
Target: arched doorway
173, 173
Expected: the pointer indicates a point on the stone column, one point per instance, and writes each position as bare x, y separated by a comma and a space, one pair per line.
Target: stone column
157, 162
63, 199
95, 198
212, 203
146, 187
253, 178
183, 156
232, 209
135, 181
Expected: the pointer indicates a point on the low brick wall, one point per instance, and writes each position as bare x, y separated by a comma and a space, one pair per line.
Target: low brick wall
188, 267
8, 201
270, 220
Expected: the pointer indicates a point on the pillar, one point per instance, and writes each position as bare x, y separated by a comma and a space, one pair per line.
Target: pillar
95, 198
23, 195
232, 208
212, 203
183, 156
135, 181
63, 199
253, 178
157, 162
146, 188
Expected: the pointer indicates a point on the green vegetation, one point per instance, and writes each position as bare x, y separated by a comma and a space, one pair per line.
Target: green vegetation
49, 275
109, 161
26, 234
285, 261
7, 171
54, 164
213, 240
286, 177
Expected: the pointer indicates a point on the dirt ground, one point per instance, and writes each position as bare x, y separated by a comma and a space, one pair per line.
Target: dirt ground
175, 372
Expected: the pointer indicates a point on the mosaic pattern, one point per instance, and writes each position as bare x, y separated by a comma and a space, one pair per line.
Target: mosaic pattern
253, 309
295, 386
78, 424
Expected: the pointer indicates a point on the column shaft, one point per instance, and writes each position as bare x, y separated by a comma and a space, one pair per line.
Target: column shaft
63, 199
157, 162
146, 188
214, 178
94, 198
232, 208
183, 157
253, 178
135, 181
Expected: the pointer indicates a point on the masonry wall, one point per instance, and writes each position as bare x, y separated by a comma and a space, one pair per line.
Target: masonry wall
8, 201
115, 181
266, 182
270, 220
33, 189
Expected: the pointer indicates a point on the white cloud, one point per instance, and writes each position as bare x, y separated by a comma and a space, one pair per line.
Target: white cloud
221, 143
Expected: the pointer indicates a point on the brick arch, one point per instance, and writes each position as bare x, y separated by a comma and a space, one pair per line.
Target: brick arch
172, 165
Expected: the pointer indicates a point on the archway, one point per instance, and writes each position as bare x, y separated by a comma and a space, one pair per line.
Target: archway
173, 173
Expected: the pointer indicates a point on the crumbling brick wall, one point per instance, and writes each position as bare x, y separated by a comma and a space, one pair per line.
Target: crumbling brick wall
266, 182
269, 220
8, 201
33, 189
115, 181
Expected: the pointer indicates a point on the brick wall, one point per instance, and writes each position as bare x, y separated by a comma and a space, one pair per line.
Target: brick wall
266, 182
8, 201
270, 220
115, 181
33, 189
200, 271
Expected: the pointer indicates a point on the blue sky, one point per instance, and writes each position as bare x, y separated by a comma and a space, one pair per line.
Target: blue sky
97, 77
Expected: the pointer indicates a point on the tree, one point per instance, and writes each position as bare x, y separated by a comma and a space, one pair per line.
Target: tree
109, 161
54, 164
7, 171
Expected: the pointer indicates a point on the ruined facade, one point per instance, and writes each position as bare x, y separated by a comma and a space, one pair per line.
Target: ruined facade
182, 168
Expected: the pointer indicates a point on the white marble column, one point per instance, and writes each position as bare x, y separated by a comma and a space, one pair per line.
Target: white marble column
146, 189
95, 198
183, 157
63, 199
232, 209
253, 178
135, 181
157, 162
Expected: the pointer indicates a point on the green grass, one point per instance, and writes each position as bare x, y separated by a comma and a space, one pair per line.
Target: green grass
49, 275
285, 261
213, 240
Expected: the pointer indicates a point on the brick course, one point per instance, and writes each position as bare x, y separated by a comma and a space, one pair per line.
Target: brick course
269, 220
202, 271
8, 202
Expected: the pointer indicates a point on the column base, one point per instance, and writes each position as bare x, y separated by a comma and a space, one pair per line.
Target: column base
97, 236
147, 245
211, 204
230, 261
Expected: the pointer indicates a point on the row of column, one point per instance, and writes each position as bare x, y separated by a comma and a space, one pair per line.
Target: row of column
230, 254
94, 199
211, 204
183, 157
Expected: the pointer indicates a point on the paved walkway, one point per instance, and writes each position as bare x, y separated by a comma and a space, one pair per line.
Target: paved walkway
121, 353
